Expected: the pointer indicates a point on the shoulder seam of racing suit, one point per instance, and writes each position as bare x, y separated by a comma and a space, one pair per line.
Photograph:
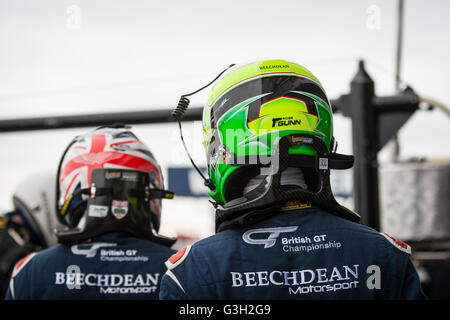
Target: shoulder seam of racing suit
400, 245
172, 265
22, 263
174, 278
17, 268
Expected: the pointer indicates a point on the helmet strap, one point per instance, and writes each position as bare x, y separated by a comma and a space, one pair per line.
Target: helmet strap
118, 201
271, 193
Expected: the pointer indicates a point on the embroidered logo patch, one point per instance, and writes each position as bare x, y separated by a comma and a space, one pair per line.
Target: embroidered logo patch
119, 208
97, 211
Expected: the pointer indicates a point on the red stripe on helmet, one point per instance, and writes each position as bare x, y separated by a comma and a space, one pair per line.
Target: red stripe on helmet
98, 143
70, 185
124, 142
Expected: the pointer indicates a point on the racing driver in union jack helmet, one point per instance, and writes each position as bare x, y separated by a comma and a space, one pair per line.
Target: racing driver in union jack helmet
108, 197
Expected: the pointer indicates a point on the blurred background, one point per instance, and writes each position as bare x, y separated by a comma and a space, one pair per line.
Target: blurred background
80, 57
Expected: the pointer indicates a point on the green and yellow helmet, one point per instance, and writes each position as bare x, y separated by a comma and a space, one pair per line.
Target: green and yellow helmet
260, 118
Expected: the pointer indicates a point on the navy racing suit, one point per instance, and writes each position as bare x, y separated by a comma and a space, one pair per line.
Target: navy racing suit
296, 254
113, 266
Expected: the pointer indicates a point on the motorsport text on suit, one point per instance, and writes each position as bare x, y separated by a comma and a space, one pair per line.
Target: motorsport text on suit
296, 254
112, 266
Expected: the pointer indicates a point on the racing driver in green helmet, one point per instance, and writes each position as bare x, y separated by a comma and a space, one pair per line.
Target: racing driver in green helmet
280, 233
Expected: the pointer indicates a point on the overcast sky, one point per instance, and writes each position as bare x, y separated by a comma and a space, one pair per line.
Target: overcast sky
62, 57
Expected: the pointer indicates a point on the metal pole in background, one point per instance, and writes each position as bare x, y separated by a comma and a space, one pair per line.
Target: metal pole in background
398, 60
364, 135
375, 120
97, 119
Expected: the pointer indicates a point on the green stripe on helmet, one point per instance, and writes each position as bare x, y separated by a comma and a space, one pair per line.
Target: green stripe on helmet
252, 107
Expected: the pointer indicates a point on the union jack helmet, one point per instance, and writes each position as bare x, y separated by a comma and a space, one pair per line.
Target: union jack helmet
92, 168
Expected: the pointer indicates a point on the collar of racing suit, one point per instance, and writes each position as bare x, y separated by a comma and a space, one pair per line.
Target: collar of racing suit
290, 177
254, 216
